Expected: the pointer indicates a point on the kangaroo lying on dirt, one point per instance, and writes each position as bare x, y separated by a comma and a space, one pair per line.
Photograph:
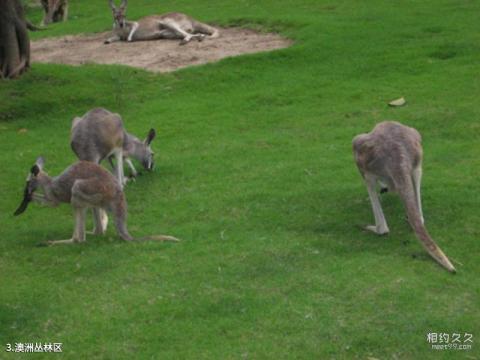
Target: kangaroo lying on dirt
100, 134
392, 155
84, 185
166, 26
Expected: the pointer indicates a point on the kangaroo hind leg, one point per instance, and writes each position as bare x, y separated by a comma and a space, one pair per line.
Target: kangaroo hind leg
206, 30
78, 231
380, 226
184, 35
100, 221
118, 153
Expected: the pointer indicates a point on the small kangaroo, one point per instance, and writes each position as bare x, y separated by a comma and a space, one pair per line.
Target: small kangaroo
84, 185
391, 154
55, 10
100, 134
166, 26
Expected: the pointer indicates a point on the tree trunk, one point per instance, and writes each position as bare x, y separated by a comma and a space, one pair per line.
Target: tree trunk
14, 40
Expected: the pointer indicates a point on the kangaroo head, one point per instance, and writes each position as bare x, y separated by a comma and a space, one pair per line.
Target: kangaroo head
119, 18
34, 181
36, 175
146, 156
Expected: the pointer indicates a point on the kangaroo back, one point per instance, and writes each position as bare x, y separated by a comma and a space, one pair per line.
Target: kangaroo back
96, 135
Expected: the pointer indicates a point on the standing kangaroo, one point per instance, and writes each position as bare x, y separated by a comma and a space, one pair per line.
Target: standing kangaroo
55, 10
166, 26
84, 185
391, 154
100, 134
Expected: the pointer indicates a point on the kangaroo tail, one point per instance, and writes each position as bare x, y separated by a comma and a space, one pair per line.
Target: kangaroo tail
119, 209
32, 27
157, 238
406, 192
207, 29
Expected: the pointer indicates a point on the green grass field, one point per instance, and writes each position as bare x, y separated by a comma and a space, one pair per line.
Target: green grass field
254, 172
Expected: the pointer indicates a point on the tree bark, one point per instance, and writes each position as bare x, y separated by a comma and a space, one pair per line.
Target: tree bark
14, 40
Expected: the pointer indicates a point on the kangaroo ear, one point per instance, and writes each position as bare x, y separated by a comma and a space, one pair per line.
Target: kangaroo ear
35, 170
150, 136
123, 5
112, 5
40, 162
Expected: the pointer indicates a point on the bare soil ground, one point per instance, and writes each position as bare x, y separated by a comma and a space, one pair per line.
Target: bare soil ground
157, 55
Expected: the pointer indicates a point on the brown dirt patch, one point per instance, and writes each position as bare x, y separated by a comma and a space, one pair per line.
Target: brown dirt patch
158, 55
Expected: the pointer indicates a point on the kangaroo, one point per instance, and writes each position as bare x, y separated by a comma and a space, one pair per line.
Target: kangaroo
166, 26
391, 154
84, 185
100, 134
55, 10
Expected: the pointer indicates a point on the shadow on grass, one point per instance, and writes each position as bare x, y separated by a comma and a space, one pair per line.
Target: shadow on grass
334, 223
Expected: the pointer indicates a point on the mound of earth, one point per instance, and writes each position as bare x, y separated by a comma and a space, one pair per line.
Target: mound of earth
156, 55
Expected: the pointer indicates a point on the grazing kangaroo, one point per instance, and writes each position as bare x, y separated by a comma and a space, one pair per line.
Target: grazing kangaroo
392, 156
166, 26
55, 10
100, 134
84, 185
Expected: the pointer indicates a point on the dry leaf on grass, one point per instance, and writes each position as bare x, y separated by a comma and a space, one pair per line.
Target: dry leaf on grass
397, 102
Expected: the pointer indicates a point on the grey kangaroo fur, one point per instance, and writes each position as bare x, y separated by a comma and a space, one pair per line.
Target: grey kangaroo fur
84, 185
391, 155
100, 134
55, 10
166, 26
